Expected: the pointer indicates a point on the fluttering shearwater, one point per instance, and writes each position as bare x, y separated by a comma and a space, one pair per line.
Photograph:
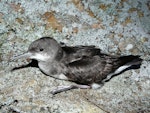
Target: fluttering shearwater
87, 66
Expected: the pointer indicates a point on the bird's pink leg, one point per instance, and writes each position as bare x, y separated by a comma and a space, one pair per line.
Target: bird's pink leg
66, 88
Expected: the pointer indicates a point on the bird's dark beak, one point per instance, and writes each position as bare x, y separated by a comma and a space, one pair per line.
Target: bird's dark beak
24, 55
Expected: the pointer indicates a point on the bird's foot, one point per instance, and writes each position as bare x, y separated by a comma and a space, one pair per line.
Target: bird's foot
66, 88
96, 85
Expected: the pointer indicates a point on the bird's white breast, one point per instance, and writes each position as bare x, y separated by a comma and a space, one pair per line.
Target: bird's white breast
47, 68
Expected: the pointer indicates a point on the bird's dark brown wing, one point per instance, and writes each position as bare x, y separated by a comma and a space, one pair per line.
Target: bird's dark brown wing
87, 65
78, 52
85, 50
90, 69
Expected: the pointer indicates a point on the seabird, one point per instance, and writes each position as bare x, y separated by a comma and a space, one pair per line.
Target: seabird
86, 66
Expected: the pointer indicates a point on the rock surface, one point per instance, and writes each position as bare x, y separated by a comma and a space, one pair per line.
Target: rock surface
117, 27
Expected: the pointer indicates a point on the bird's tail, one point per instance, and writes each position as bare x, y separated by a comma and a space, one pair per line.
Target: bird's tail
130, 60
124, 63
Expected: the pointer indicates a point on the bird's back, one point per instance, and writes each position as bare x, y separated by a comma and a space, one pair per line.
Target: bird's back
87, 65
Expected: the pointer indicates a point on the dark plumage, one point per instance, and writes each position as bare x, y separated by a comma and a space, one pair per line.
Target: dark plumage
84, 65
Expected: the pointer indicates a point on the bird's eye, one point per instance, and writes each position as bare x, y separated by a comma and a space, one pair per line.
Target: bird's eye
41, 49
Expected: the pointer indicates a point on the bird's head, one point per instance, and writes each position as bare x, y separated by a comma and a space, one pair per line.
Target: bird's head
43, 49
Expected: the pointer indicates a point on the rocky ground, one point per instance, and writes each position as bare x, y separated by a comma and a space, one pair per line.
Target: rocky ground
119, 27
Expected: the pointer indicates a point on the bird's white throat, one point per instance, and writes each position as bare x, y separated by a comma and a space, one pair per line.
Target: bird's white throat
40, 57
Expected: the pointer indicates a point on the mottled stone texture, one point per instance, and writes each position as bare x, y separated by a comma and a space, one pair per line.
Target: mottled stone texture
116, 26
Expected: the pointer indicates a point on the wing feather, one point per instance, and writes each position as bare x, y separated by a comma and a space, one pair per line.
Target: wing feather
79, 52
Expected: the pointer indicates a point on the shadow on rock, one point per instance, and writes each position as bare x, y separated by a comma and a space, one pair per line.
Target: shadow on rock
33, 63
